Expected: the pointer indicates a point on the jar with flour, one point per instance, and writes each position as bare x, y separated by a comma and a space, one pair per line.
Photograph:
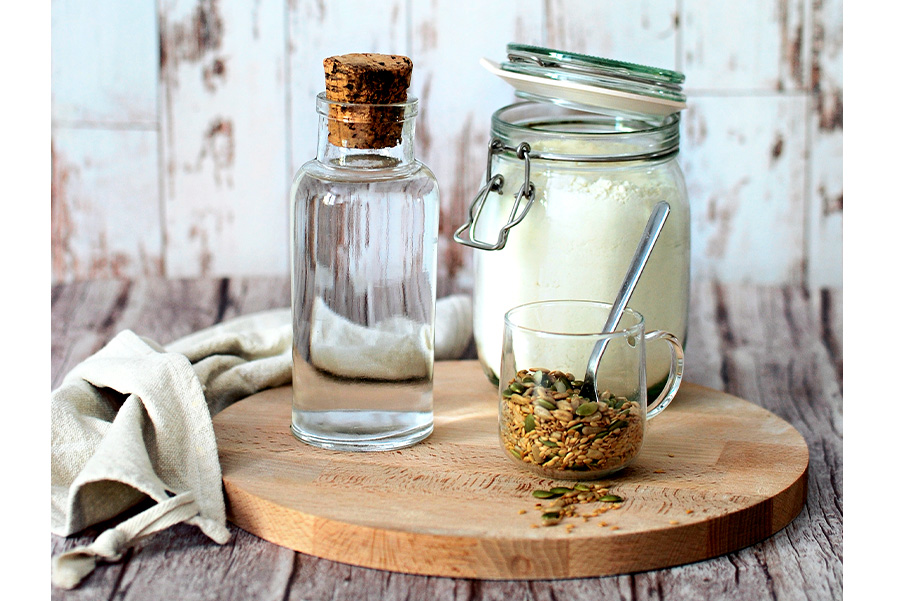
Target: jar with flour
573, 174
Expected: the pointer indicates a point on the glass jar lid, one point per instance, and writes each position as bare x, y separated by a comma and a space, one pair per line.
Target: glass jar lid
589, 83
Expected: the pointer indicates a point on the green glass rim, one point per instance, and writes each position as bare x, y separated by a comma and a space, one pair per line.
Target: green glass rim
594, 71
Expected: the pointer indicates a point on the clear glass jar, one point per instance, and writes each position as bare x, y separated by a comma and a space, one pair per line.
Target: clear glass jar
550, 423
587, 182
364, 253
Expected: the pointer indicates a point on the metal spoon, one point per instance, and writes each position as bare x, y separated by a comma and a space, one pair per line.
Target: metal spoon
638, 262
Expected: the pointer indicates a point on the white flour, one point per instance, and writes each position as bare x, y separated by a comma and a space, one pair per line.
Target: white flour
577, 242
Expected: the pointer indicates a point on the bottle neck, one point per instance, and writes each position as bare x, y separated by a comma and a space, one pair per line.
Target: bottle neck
366, 136
334, 154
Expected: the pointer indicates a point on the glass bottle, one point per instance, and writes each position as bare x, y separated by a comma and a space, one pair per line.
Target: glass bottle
364, 253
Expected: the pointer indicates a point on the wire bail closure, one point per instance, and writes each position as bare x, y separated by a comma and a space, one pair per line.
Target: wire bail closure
495, 184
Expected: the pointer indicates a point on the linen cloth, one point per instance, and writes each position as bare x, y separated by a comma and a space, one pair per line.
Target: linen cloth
134, 421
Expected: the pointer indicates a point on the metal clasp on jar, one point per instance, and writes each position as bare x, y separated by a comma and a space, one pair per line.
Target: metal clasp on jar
495, 184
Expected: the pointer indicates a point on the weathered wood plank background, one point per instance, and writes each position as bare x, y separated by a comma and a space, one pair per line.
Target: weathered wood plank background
178, 124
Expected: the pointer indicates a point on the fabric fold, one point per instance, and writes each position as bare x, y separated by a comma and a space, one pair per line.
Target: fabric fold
134, 421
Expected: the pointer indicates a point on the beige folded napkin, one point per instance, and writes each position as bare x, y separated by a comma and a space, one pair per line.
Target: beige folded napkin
134, 421
396, 348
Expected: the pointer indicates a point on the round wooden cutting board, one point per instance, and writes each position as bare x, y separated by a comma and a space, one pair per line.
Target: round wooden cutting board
716, 474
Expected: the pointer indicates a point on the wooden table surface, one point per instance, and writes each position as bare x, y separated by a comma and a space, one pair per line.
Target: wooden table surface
779, 347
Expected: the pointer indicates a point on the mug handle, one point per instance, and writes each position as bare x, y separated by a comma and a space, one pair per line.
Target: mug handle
676, 372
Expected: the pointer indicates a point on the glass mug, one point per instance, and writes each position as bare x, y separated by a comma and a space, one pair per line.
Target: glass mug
546, 426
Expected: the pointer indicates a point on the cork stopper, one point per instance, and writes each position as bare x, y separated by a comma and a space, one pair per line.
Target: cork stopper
366, 80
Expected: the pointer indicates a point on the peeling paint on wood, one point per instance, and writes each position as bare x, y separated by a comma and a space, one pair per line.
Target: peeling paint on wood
758, 48
218, 146
105, 219
748, 207
824, 246
235, 85
63, 262
223, 87
192, 38
214, 74
644, 34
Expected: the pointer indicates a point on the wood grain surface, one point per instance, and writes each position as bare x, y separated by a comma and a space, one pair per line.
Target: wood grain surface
716, 474
779, 347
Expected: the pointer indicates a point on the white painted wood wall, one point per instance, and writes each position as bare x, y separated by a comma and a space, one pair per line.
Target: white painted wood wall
177, 125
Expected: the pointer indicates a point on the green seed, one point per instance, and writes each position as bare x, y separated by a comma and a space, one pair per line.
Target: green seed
619, 423
543, 494
528, 378
529, 423
516, 387
619, 403
586, 409
611, 499
577, 383
560, 490
582, 487
548, 405
508, 392
551, 518
549, 443
516, 453
575, 427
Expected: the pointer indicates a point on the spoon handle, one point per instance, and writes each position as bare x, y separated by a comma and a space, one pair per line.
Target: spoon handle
638, 262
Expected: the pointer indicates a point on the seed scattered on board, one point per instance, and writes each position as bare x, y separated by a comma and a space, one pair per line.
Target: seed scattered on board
563, 500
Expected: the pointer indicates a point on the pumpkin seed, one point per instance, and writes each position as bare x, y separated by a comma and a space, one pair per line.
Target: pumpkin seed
611, 499
619, 423
508, 392
549, 443
546, 404
551, 518
516, 452
560, 490
516, 387
582, 487
586, 409
543, 494
529, 422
